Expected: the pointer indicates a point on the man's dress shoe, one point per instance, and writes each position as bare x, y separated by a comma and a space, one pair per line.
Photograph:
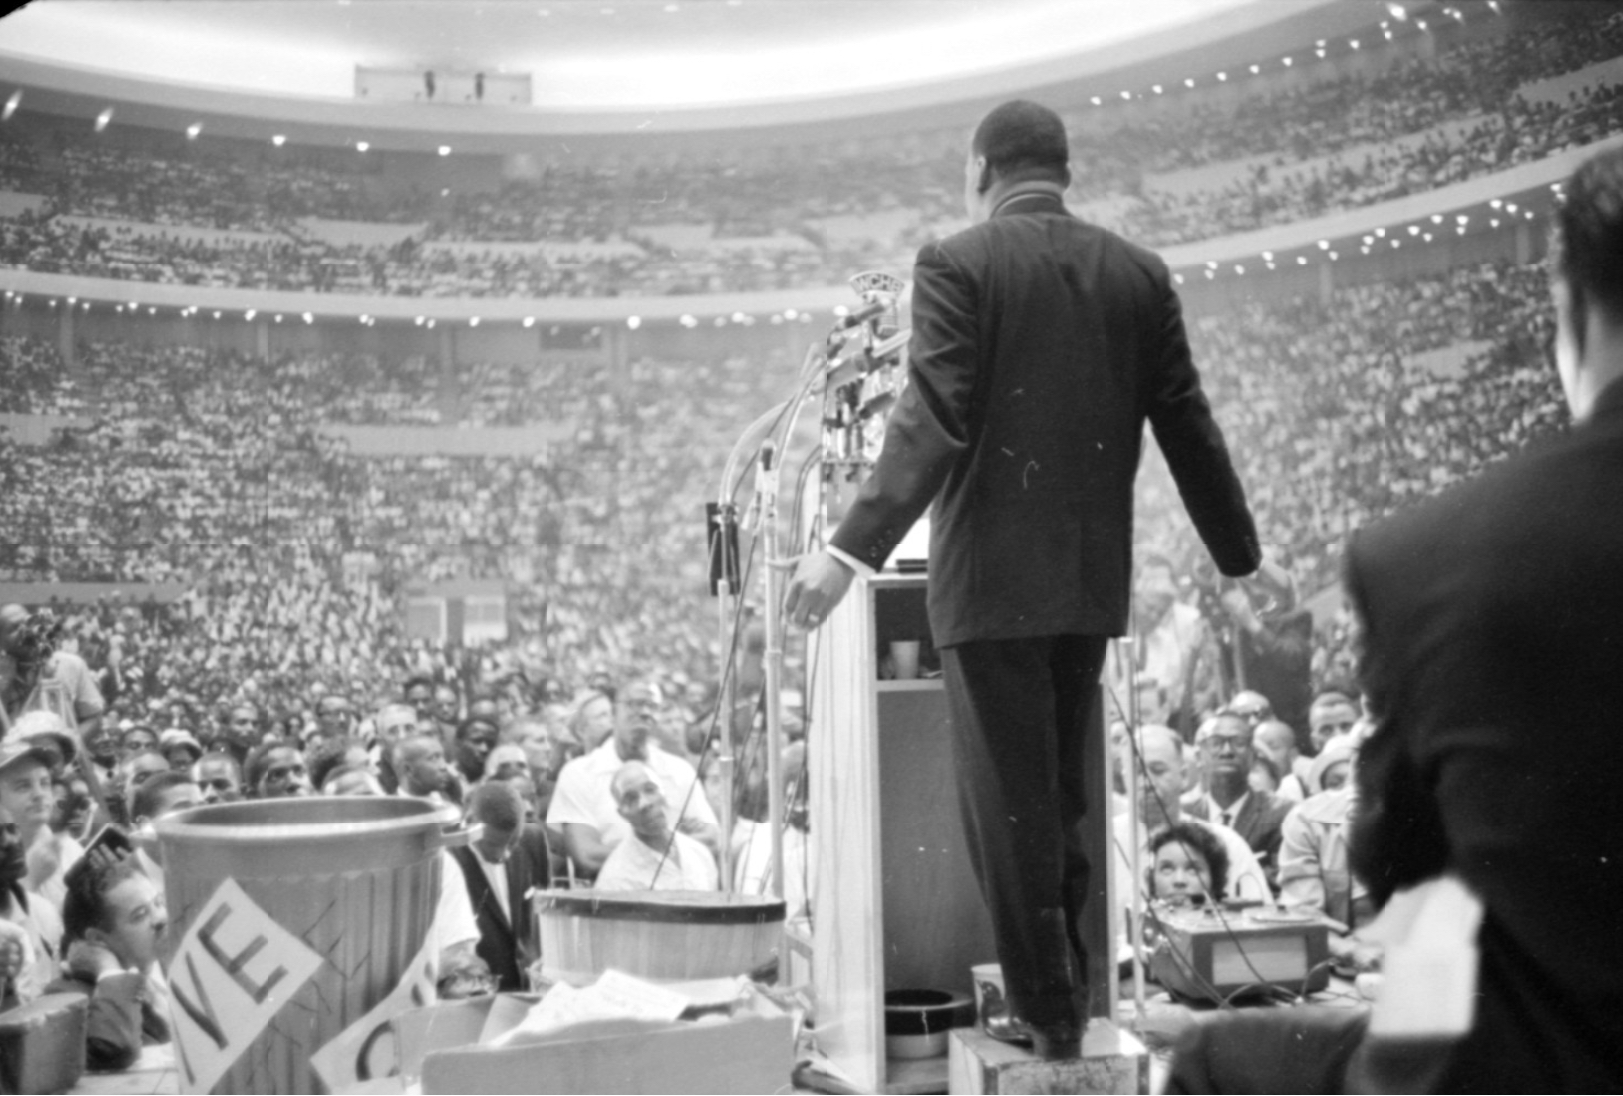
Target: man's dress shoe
1051, 1043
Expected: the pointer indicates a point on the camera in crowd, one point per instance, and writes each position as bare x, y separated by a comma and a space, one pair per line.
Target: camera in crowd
34, 641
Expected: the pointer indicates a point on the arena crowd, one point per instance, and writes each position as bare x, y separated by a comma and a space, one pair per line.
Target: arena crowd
268, 655
1477, 101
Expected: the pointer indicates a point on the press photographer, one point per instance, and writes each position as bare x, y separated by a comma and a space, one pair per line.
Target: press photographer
1264, 639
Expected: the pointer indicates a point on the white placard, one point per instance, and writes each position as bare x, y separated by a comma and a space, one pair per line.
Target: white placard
234, 970
366, 1050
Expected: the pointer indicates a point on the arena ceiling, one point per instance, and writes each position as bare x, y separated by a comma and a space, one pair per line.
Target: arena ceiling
598, 55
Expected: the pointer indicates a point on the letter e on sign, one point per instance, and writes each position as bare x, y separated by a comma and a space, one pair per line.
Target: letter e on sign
234, 970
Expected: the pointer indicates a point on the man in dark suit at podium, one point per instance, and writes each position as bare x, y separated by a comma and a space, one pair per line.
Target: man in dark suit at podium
1040, 346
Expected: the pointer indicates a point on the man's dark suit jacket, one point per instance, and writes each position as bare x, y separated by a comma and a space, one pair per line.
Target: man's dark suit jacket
1258, 822
1494, 661
120, 1020
1040, 346
507, 937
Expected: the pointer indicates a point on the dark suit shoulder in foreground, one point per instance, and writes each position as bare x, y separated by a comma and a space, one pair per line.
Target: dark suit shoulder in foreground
1494, 660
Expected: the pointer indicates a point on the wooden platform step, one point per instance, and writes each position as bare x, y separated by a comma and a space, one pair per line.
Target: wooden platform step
1112, 1061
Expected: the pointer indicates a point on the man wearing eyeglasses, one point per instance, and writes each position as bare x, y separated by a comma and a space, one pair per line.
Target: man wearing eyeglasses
583, 805
1226, 755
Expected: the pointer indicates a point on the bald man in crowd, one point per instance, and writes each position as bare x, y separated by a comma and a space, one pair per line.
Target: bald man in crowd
655, 856
1276, 741
419, 764
584, 809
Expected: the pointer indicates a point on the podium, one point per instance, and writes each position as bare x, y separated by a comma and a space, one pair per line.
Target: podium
897, 905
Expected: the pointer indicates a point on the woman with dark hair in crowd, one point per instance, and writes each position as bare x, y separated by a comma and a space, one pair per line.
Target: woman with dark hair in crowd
1188, 865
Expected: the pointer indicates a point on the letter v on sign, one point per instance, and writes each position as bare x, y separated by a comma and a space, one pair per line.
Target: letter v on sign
234, 970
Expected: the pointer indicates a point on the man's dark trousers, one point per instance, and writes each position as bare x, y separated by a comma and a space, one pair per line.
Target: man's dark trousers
1020, 713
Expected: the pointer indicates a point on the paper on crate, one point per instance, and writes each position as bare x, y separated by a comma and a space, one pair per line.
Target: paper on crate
614, 996
749, 1052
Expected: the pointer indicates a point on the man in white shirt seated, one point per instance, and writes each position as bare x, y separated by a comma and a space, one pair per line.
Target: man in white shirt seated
1159, 767
654, 856
584, 809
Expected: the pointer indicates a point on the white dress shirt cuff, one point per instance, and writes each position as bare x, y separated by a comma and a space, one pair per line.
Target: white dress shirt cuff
850, 561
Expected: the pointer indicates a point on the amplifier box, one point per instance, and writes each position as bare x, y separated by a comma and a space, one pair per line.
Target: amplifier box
1214, 954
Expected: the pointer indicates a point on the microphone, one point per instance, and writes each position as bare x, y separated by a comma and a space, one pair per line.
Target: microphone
869, 311
766, 485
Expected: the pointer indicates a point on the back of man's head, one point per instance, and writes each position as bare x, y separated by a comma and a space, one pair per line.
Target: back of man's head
624, 777
1588, 243
1022, 140
496, 804
330, 753
414, 745
1156, 736
151, 799
1275, 739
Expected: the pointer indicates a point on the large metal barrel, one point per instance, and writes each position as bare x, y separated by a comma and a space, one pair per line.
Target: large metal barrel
290, 920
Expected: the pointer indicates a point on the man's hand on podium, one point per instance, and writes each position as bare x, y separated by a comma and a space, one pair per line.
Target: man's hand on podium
819, 582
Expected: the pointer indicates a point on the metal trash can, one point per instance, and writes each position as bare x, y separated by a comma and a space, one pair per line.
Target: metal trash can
289, 921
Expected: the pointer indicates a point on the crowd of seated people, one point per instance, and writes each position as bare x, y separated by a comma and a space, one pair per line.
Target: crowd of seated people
207, 469
34, 385
281, 667
181, 186
211, 470
607, 798
1339, 412
624, 812
547, 774
813, 216
1217, 822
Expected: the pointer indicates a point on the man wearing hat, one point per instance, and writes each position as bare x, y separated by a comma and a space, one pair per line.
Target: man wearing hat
179, 748
1040, 347
28, 792
25, 766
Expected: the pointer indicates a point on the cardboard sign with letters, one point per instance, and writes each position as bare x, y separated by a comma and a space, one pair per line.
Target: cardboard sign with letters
233, 971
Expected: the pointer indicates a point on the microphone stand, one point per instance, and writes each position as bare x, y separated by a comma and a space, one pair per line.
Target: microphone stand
1135, 868
729, 594
763, 520
768, 484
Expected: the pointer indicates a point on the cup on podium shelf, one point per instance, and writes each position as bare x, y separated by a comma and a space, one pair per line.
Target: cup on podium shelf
989, 1000
904, 655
